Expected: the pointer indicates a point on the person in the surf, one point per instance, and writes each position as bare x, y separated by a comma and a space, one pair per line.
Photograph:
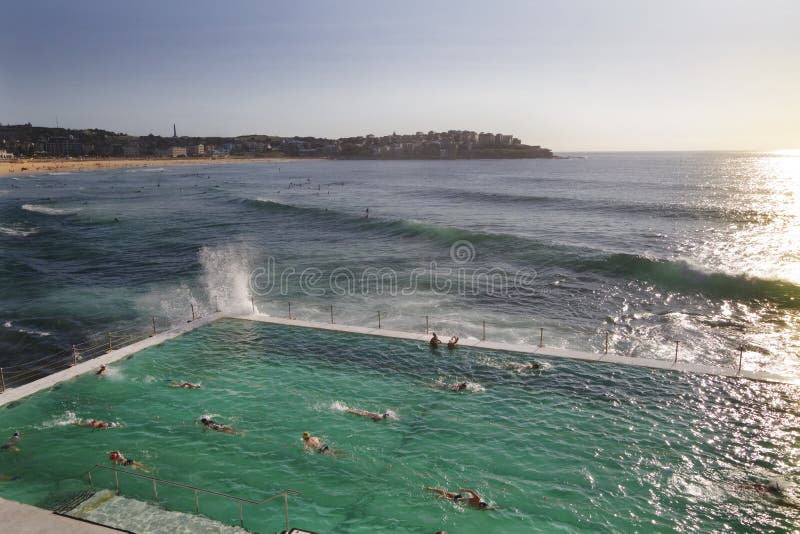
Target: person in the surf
102, 370
452, 343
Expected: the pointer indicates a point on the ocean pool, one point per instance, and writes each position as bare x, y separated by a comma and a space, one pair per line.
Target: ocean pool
571, 447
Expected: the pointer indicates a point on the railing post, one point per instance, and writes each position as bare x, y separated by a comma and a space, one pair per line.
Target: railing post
606, 341
110, 348
241, 515
379, 319
741, 354
253, 303
192, 305
286, 509
426, 325
676, 353
116, 481
155, 491
484, 331
331, 313
74, 356
290, 309
541, 337
154, 326
216, 304
2, 380
196, 502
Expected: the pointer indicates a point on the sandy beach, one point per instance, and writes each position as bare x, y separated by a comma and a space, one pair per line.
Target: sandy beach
34, 166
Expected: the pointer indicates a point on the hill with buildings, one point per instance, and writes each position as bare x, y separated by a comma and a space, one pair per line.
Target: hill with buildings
25, 140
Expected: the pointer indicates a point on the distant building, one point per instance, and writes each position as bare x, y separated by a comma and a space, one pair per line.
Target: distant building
195, 150
485, 139
176, 152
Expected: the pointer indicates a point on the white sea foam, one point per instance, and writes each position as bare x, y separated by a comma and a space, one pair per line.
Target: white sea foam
60, 173
226, 277
66, 419
8, 324
50, 211
17, 232
40, 333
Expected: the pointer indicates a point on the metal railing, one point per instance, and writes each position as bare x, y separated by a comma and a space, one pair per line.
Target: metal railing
197, 491
93, 346
604, 335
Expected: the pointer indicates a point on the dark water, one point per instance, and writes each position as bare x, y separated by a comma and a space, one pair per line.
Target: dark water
703, 248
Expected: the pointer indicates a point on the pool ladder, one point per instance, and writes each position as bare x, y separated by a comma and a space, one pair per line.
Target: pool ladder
197, 491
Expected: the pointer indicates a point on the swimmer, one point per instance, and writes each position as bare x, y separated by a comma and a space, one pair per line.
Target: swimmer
314, 443
461, 386
527, 366
435, 341
118, 459
94, 423
452, 343
11, 444
372, 415
474, 500
213, 425
8, 477
102, 370
187, 385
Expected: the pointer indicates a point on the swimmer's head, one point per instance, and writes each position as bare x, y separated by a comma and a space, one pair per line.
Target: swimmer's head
205, 420
386, 415
16, 434
306, 436
483, 504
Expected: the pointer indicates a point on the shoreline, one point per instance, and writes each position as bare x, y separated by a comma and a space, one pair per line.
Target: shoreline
21, 167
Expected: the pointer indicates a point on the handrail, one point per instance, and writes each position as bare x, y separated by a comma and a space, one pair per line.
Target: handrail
285, 493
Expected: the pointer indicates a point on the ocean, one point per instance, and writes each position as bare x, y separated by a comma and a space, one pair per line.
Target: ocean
653, 251
702, 249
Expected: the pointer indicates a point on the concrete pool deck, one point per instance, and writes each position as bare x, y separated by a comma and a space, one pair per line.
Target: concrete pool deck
18, 517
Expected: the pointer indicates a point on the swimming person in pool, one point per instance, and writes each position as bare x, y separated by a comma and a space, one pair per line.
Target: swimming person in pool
314, 443
102, 370
187, 385
118, 459
372, 415
11, 444
435, 341
94, 423
452, 343
474, 500
213, 425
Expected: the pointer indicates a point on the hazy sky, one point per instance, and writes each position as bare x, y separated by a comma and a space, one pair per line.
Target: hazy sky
570, 75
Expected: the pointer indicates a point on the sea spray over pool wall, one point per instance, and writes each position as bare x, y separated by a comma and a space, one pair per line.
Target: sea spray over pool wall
225, 279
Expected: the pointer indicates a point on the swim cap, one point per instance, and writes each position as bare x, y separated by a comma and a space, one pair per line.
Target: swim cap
306, 435
16, 434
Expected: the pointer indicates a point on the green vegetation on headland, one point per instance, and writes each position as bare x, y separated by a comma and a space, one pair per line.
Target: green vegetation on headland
29, 141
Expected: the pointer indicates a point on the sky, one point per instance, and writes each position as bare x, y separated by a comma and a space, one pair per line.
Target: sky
569, 75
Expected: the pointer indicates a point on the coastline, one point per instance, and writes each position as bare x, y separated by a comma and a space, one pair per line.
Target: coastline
34, 166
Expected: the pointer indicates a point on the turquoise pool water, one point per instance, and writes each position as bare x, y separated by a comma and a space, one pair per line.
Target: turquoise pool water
572, 447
